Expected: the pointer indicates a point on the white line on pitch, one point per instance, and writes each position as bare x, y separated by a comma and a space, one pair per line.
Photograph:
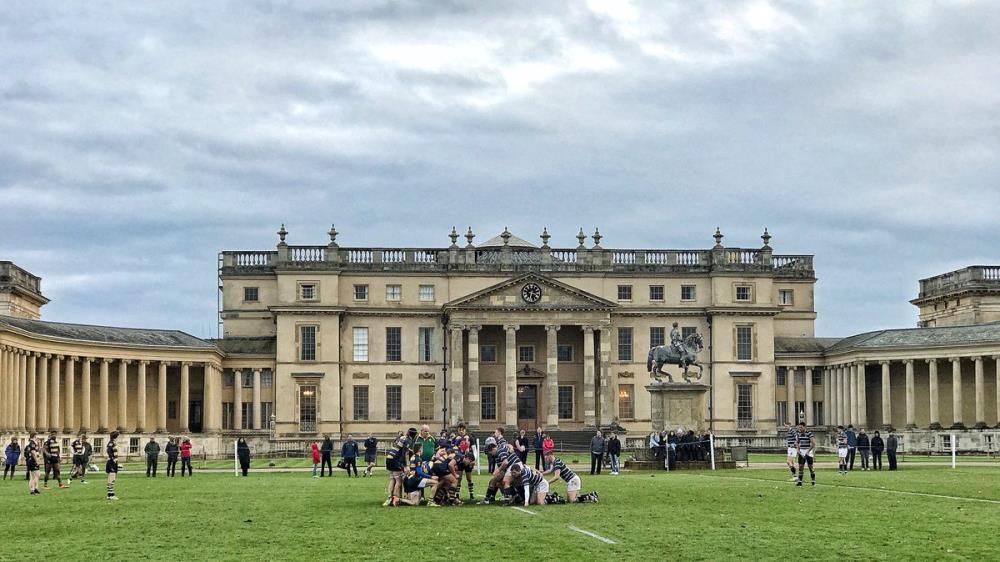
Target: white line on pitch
522, 510
594, 535
924, 494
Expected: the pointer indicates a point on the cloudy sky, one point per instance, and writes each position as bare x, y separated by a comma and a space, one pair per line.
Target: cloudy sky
136, 143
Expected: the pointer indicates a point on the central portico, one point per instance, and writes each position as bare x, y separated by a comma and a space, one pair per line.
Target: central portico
523, 316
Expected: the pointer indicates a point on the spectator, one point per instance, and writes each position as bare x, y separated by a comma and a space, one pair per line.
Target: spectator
327, 451
864, 445
10, 456
877, 446
314, 446
548, 445
152, 451
537, 443
491, 453
425, 439
852, 445
172, 451
654, 445
349, 453
521, 446
596, 452
890, 450
614, 450
371, 451
186, 456
243, 455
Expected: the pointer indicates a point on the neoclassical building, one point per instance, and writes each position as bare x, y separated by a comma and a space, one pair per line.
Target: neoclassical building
326, 339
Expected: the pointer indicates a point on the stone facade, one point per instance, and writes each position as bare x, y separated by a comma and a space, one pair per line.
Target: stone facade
963, 297
20, 292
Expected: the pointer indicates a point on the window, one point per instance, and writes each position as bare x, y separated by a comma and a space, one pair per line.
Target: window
526, 353
488, 353
361, 402
266, 378
800, 377
427, 293
744, 343
566, 402
800, 412
247, 416
361, 292
688, 331
425, 344
743, 293
657, 336
228, 378
394, 344
426, 402
785, 297
626, 408
624, 344
394, 402
564, 353
307, 408
247, 378
624, 292
133, 445
307, 343
744, 406
818, 414
98, 444
945, 441
687, 293
779, 376
266, 411
251, 294
227, 415
393, 292
488, 403
781, 412
361, 344
172, 409
817, 376
307, 291
656, 292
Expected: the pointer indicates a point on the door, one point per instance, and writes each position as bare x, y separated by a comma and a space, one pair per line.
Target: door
527, 405
194, 417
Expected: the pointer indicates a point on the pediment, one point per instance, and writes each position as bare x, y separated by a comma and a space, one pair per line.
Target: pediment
555, 295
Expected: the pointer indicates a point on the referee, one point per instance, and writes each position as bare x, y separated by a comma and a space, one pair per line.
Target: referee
805, 447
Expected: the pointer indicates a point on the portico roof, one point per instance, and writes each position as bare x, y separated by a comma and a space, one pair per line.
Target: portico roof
104, 334
556, 295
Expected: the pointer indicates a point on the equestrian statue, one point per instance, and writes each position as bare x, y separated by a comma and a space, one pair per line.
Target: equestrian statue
681, 352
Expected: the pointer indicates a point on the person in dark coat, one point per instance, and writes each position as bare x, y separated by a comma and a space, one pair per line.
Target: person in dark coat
877, 446
152, 451
521, 446
349, 453
326, 450
537, 443
864, 447
891, 444
614, 450
371, 452
243, 455
10, 456
173, 450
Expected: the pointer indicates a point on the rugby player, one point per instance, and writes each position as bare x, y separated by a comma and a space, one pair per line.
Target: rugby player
842, 450
51, 451
805, 447
32, 455
395, 462
111, 466
790, 442
536, 487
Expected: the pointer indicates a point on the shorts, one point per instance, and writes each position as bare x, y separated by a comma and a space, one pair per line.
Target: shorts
414, 484
369, 457
31, 465
574, 484
391, 465
440, 470
792, 452
541, 488
842, 452
111, 467
77, 460
808, 453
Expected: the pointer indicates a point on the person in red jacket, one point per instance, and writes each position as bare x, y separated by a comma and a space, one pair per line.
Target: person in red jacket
315, 457
186, 456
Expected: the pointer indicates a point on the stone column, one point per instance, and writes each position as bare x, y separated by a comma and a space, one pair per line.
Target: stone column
956, 392
844, 387
607, 411
238, 399
5, 401
552, 375
140, 398
102, 407
837, 390
213, 397
55, 413
980, 395
933, 390
256, 399
790, 414
85, 394
886, 397
510, 369
809, 396
31, 400
161, 398
825, 373
862, 396
849, 403
589, 402
69, 423
472, 416
123, 395
22, 411
185, 397
457, 402
996, 359
42, 418
911, 396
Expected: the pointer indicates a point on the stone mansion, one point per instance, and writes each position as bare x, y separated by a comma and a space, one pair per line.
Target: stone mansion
333, 340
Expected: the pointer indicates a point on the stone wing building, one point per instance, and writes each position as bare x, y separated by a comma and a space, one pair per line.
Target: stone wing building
335, 340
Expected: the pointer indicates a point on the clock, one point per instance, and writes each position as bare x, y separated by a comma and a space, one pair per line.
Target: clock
531, 293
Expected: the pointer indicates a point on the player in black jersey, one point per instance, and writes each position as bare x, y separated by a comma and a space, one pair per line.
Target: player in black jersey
395, 462
51, 451
805, 446
500, 454
534, 484
111, 466
79, 467
32, 456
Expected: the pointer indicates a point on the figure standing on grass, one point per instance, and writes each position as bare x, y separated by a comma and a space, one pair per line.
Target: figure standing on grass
186, 456
314, 449
243, 455
111, 467
842, 450
349, 452
52, 451
10, 455
891, 444
864, 445
327, 450
596, 452
790, 442
371, 451
877, 445
172, 451
614, 450
152, 451
32, 458
852, 446
805, 449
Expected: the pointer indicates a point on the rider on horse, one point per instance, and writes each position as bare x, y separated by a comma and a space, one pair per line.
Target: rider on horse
676, 341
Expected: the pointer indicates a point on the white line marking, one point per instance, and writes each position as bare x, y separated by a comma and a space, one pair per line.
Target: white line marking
522, 510
594, 535
924, 494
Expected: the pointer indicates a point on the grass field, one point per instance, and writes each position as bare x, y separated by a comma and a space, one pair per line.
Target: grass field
744, 514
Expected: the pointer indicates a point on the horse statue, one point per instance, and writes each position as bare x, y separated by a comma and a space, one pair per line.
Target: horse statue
688, 355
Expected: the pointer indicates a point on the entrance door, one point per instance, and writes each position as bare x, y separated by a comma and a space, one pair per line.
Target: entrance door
527, 405
194, 417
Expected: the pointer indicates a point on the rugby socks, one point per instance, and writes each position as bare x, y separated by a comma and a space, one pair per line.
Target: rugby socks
792, 468
472, 487
111, 489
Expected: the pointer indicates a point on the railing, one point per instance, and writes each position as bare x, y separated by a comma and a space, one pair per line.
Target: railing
17, 276
359, 256
974, 276
623, 257
251, 259
306, 253
744, 257
566, 256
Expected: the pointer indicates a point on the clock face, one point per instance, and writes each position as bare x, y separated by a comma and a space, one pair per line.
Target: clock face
531, 293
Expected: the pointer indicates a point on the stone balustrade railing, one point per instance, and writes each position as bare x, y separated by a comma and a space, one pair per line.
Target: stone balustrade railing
14, 275
517, 259
973, 277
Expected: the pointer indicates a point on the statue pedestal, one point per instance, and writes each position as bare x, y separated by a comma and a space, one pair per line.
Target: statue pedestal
678, 404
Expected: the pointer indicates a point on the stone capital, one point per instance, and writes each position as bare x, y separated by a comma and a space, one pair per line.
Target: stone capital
106, 360
884, 362
907, 361
185, 363
978, 359
474, 328
456, 327
125, 361
589, 329
860, 363
930, 361
552, 327
144, 362
955, 359
510, 327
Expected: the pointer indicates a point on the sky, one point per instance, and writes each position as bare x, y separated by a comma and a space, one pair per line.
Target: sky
138, 140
